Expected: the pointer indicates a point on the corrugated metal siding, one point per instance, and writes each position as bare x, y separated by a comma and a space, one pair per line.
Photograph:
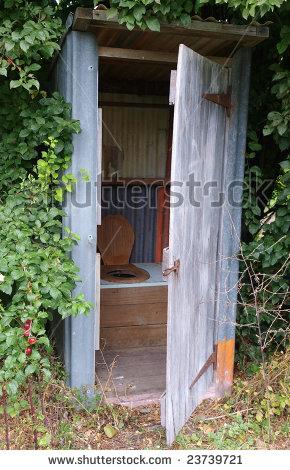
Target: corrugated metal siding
120, 200
136, 137
77, 81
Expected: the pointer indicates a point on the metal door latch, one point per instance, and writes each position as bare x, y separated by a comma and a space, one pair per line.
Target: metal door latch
174, 268
212, 360
222, 99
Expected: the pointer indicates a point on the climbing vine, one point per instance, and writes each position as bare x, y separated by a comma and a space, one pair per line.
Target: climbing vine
37, 275
150, 13
265, 279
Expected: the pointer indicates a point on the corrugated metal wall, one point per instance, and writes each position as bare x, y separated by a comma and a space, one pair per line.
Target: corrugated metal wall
120, 200
134, 139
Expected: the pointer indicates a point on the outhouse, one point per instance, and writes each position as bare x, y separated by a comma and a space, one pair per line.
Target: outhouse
159, 164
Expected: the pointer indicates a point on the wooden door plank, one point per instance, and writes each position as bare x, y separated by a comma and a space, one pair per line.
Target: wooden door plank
199, 138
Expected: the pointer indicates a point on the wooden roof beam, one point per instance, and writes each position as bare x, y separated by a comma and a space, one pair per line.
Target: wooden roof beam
135, 55
112, 54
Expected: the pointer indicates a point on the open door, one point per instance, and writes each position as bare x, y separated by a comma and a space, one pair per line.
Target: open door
198, 154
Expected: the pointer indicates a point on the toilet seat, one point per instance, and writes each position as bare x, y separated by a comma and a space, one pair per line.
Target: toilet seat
115, 242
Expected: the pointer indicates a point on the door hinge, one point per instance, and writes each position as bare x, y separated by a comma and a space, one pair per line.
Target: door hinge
222, 99
174, 268
212, 360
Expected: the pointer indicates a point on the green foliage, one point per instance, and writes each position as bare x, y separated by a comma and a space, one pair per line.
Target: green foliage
264, 309
37, 276
28, 35
252, 8
26, 124
151, 13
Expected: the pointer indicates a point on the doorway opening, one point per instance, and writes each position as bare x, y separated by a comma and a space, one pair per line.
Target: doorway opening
136, 163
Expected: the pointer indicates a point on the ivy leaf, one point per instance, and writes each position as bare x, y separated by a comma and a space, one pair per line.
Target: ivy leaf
22, 358
282, 46
8, 44
3, 71
54, 292
153, 24
44, 340
45, 440
46, 374
185, 20
139, 11
110, 431
6, 288
58, 195
34, 67
30, 369
24, 46
12, 387
255, 146
112, 13
15, 84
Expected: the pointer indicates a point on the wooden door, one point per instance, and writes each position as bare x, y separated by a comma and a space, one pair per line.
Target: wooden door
199, 142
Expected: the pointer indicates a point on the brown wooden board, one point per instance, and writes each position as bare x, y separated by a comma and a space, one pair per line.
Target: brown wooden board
136, 314
133, 336
133, 295
110, 54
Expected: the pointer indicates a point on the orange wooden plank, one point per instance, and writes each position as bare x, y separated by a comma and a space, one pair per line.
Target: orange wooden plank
225, 366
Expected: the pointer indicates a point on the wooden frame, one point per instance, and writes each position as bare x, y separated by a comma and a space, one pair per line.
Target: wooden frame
109, 54
87, 19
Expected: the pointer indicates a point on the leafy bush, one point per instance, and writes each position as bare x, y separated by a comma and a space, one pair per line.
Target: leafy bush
37, 276
264, 296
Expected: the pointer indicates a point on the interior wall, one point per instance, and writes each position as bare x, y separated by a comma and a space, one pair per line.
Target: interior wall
134, 138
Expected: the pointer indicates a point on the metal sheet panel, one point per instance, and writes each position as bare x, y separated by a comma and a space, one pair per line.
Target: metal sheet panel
141, 214
134, 139
77, 81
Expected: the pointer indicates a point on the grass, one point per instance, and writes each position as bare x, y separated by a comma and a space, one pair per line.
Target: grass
254, 417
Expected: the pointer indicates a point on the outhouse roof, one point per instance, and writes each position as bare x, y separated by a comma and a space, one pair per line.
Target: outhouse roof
216, 40
205, 37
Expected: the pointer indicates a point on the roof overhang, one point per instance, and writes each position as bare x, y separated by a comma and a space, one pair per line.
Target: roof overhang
156, 52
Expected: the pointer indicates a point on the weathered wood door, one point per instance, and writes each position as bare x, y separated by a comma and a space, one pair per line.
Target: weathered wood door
199, 143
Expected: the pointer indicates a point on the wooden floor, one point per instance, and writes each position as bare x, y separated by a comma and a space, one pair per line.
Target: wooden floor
132, 376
